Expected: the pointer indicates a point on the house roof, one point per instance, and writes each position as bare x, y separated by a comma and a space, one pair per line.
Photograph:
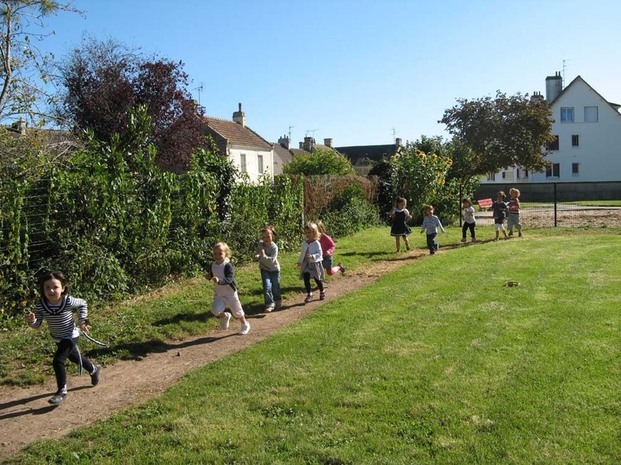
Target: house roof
359, 153
614, 106
282, 157
236, 134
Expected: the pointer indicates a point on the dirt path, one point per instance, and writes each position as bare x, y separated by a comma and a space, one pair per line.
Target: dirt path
26, 416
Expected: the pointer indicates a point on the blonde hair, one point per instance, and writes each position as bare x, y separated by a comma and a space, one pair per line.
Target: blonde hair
310, 226
224, 247
321, 227
512, 190
467, 200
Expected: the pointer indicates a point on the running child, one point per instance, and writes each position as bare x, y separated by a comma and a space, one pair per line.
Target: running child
310, 262
513, 207
399, 228
267, 255
499, 207
56, 307
327, 249
225, 290
430, 225
469, 220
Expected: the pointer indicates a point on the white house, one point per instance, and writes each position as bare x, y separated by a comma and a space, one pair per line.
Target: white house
248, 151
588, 137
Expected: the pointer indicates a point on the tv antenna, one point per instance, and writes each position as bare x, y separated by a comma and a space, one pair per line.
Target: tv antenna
312, 131
564, 68
199, 89
290, 128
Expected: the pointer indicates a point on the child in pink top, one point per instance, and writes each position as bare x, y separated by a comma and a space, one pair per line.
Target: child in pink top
327, 247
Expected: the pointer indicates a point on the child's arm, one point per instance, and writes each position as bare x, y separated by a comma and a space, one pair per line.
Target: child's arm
35, 318
440, 226
82, 308
408, 216
228, 276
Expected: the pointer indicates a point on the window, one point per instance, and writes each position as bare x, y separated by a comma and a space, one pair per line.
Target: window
553, 145
491, 176
591, 115
242, 163
553, 171
522, 174
575, 169
567, 115
575, 140
260, 163
504, 175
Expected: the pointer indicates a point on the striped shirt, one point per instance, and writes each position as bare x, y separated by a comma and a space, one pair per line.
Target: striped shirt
60, 317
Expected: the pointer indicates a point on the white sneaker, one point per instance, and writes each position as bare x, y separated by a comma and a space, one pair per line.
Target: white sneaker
245, 328
270, 307
224, 322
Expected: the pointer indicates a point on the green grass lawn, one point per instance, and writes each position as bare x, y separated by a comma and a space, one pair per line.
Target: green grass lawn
436, 363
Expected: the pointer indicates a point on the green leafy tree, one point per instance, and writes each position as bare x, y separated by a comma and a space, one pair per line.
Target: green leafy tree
321, 161
502, 132
24, 68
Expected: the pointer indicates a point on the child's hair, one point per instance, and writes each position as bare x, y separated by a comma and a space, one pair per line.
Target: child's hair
52, 275
467, 200
514, 190
428, 208
501, 194
401, 200
269, 228
310, 226
321, 227
224, 247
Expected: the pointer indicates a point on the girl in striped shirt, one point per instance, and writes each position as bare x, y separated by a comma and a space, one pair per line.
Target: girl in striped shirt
57, 307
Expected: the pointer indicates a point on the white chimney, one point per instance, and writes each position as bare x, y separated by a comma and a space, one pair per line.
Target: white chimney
554, 87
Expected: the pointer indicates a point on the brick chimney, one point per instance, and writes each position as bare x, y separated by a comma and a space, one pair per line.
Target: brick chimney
309, 144
239, 116
284, 142
328, 142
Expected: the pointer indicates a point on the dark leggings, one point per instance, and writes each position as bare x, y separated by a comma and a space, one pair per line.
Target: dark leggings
465, 228
67, 348
307, 283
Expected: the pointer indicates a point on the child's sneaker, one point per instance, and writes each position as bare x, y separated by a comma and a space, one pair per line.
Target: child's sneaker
308, 298
270, 307
245, 328
95, 375
322, 295
278, 304
224, 322
58, 398
342, 268
463, 239
407, 246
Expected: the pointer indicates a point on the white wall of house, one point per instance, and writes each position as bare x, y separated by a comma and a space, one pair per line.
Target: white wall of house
589, 151
253, 161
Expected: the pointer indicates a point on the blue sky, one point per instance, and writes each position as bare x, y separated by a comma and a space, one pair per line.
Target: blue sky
358, 71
